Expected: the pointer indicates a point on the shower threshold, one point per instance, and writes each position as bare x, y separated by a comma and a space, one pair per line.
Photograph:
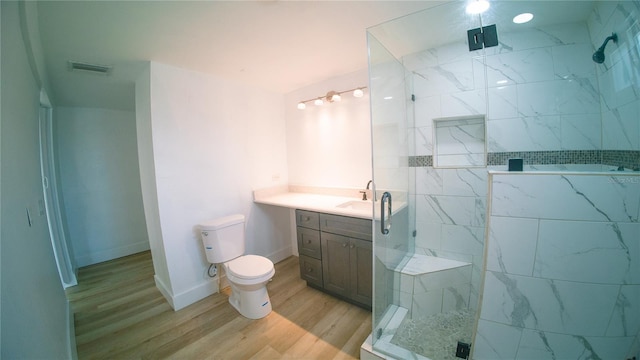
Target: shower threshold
405, 338
385, 349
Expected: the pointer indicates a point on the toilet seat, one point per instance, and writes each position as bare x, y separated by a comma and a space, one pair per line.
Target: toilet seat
250, 267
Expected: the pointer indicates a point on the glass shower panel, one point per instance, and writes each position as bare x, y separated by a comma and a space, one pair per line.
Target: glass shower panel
543, 87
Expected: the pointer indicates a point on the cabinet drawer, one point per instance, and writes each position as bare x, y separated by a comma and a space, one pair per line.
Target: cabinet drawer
309, 242
308, 219
347, 226
311, 270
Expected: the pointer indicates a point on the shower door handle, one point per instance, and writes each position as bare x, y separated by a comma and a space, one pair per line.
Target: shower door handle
385, 224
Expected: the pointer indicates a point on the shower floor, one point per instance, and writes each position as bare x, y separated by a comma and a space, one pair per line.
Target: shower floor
435, 337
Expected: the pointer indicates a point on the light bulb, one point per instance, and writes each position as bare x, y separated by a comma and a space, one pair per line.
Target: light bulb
336, 97
318, 101
301, 106
358, 93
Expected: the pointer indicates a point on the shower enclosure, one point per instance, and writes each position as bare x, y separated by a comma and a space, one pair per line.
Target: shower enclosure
452, 102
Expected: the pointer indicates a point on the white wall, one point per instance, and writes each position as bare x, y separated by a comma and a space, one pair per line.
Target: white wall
330, 145
100, 181
148, 181
212, 143
35, 312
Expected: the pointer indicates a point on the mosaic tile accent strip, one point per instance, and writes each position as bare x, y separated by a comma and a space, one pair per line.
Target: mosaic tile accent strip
547, 157
630, 159
420, 161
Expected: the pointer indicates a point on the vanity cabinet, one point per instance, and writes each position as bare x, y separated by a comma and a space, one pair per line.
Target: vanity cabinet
336, 255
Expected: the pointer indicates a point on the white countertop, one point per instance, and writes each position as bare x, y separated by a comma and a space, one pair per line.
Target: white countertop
324, 203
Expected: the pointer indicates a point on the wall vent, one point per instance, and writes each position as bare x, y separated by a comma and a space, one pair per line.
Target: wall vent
92, 68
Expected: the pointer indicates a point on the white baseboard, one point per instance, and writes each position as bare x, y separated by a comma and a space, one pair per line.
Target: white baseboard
164, 290
186, 298
280, 254
110, 254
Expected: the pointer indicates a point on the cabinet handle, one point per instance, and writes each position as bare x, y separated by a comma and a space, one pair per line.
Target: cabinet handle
344, 245
352, 246
308, 241
309, 270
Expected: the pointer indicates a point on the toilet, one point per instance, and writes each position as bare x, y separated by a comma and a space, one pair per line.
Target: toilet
223, 241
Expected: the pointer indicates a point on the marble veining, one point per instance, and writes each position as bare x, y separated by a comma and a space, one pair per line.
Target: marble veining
520, 307
581, 194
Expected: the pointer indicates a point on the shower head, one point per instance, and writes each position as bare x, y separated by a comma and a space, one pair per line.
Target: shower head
598, 56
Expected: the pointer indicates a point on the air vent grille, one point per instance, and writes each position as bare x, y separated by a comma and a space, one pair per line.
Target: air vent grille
93, 68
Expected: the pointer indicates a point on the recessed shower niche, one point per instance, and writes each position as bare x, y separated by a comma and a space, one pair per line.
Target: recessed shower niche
459, 142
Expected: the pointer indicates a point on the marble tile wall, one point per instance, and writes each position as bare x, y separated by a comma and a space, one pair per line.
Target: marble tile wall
562, 275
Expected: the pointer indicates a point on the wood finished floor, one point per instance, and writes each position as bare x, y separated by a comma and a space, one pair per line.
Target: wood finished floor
119, 314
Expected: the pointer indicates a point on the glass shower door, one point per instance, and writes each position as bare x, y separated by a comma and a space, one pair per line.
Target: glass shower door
422, 74
391, 119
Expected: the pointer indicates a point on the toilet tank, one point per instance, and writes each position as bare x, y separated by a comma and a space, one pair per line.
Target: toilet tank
223, 238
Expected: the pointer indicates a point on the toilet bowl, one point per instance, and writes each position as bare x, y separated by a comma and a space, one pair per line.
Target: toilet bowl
248, 275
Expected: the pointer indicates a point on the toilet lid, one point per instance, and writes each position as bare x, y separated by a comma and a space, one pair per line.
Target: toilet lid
250, 266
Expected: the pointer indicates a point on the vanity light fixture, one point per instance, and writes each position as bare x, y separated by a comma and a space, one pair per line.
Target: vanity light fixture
332, 96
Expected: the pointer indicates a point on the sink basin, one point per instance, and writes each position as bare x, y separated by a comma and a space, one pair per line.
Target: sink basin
360, 205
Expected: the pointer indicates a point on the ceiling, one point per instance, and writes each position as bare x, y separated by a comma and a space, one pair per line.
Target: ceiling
280, 46
276, 45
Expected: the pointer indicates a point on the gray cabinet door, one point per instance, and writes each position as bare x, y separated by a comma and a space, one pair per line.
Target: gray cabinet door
335, 263
360, 256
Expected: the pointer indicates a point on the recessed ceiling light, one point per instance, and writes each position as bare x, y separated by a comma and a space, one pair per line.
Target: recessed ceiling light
523, 18
477, 7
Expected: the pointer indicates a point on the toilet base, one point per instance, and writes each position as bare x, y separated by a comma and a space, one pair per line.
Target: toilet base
251, 301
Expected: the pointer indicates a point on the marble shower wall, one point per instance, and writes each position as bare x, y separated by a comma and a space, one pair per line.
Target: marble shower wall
562, 276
